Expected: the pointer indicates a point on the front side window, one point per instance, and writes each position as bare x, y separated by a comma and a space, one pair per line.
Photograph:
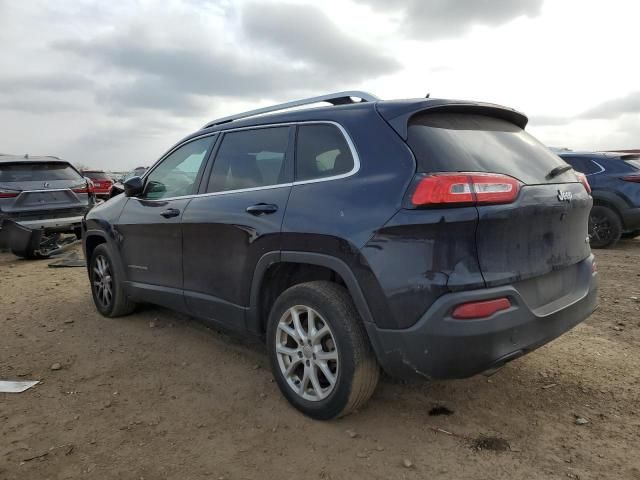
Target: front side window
321, 151
251, 159
176, 175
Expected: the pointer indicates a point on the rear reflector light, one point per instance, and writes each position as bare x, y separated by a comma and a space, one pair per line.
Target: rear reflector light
584, 182
8, 193
470, 188
632, 178
481, 309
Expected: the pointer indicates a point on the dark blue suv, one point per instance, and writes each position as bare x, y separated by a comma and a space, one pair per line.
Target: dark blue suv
432, 238
615, 184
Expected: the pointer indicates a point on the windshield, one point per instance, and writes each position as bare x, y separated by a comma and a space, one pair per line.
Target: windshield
459, 142
37, 172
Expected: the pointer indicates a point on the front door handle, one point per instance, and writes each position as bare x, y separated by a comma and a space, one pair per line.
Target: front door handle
262, 209
170, 213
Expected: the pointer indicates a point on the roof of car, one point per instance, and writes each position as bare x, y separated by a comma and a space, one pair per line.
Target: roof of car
8, 158
391, 109
610, 155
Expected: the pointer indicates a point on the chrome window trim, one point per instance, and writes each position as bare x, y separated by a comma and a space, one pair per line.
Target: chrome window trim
595, 173
347, 137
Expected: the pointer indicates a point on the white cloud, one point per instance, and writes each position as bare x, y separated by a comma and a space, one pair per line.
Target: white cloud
114, 84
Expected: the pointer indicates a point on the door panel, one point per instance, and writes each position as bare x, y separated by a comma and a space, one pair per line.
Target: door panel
150, 229
151, 244
222, 244
237, 220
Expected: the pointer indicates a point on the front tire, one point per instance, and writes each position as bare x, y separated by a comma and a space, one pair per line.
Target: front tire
605, 227
319, 351
106, 285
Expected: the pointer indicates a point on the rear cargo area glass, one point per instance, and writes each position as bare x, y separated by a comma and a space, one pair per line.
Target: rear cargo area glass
461, 142
36, 172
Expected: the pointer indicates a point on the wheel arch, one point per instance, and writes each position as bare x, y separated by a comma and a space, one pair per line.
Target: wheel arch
91, 240
609, 199
94, 237
256, 318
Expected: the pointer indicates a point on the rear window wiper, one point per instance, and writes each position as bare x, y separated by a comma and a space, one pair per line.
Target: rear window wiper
558, 170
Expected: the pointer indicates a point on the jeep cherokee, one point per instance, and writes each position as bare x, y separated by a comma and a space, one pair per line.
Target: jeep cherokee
430, 238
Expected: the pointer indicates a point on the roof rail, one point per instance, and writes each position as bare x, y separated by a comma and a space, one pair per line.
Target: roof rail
339, 98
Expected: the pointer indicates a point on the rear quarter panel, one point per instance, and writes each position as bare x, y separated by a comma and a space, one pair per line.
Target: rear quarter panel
339, 217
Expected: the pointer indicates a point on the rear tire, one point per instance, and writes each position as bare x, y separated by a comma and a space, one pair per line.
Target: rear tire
106, 285
326, 369
605, 227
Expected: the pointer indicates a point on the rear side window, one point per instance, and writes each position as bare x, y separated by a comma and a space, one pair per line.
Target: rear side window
250, 159
583, 165
321, 151
460, 142
37, 172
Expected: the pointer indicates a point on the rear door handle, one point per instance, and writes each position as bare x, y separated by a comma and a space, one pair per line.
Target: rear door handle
170, 213
262, 209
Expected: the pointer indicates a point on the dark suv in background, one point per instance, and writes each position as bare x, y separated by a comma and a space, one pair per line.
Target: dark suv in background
434, 238
40, 198
615, 184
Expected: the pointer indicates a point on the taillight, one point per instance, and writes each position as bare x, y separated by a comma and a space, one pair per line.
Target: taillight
583, 180
481, 309
461, 188
86, 187
631, 178
8, 193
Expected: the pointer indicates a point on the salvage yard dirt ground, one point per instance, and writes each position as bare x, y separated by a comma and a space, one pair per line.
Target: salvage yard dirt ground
157, 395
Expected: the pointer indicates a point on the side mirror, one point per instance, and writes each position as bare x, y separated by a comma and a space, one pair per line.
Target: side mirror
133, 186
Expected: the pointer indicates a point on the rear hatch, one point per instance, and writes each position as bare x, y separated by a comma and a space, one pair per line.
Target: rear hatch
532, 207
26, 187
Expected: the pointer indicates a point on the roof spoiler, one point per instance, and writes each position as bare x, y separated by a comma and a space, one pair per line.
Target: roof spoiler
398, 114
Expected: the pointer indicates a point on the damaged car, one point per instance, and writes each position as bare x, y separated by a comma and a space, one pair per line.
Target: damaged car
40, 199
428, 238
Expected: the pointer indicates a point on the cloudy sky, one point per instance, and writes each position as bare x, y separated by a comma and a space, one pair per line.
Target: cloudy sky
114, 84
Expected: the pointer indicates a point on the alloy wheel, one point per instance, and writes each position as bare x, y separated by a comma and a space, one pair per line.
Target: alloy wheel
307, 353
103, 281
600, 228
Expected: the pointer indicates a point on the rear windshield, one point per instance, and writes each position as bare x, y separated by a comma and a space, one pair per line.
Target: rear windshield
460, 142
97, 175
634, 162
36, 172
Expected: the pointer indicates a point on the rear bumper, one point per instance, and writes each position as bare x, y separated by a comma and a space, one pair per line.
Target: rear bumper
53, 223
440, 347
631, 218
